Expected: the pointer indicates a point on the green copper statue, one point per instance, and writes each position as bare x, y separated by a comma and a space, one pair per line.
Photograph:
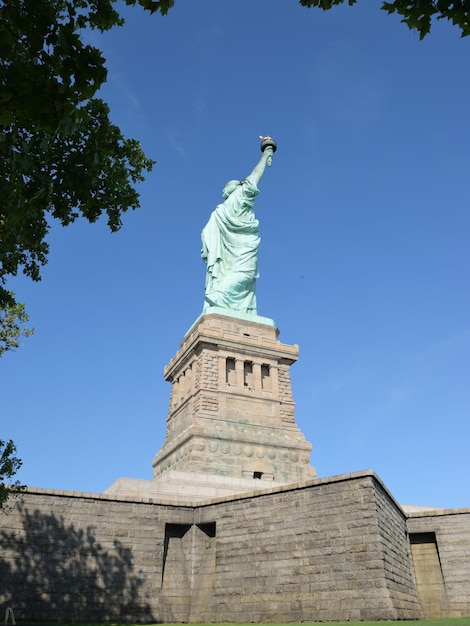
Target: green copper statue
230, 242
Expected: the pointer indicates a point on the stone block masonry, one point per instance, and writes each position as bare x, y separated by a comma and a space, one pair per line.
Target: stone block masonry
231, 409
440, 546
79, 557
318, 553
324, 550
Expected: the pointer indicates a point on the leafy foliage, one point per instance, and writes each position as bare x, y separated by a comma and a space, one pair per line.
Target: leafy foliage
9, 465
417, 14
153, 6
12, 317
60, 155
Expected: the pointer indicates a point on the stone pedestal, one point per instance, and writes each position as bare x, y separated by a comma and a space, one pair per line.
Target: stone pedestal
231, 409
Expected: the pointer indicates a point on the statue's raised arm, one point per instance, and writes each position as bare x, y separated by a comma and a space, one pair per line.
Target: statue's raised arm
268, 147
230, 242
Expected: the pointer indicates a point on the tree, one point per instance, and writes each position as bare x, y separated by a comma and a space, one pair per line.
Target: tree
9, 465
417, 14
60, 155
13, 316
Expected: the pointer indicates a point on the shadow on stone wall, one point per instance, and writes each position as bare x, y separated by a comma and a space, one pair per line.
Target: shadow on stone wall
54, 571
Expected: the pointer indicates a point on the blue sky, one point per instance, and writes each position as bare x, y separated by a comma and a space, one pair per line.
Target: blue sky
364, 261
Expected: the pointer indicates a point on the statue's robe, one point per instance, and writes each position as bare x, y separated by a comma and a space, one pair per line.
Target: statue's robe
230, 244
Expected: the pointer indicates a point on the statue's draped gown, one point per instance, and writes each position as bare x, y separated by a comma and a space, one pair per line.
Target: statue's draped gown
230, 244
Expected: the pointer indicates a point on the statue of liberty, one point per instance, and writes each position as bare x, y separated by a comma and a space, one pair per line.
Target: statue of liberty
230, 242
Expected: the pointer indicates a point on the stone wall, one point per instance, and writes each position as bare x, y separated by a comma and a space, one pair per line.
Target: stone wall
311, 554
330, 549
440, 541
398, 570
79, 557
